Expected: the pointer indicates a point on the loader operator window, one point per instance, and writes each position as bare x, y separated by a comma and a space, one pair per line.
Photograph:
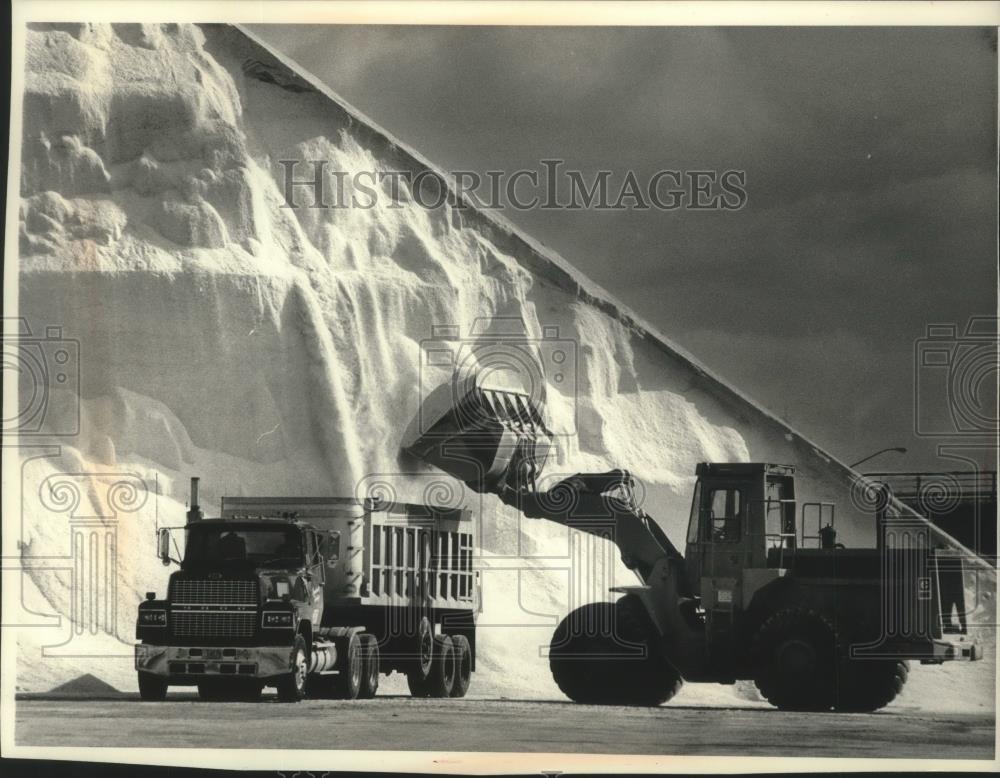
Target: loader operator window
726, 508
693, 522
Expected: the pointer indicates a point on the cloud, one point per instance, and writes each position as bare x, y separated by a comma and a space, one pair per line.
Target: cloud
870, 156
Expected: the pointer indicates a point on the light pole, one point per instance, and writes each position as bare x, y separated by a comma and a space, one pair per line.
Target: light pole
898, 449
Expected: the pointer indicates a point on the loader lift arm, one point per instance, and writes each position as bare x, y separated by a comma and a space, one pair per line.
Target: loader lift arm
602, 504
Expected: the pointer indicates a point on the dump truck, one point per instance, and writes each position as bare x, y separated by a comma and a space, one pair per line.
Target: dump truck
764, 591
314, 596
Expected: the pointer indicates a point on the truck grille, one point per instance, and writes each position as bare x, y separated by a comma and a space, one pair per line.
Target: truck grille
197, 624
194, 592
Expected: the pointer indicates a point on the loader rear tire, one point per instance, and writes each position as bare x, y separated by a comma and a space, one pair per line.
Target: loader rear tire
793, 659
865, 685
601, 654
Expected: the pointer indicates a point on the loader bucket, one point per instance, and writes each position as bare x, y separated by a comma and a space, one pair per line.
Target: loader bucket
485, 437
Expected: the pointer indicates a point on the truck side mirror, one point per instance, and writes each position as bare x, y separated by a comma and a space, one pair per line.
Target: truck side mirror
163, 545
331, 549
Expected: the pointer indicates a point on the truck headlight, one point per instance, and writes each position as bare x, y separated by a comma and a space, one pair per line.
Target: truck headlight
278, 619
150, 618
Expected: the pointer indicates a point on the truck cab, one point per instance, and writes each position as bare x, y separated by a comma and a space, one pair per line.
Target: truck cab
246, 588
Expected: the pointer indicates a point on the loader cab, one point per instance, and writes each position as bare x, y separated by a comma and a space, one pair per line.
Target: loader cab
742, 520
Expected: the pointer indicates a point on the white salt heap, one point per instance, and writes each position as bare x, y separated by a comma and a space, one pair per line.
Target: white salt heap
277, 351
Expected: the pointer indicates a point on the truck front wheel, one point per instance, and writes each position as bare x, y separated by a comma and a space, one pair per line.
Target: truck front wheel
292, 687
152, 688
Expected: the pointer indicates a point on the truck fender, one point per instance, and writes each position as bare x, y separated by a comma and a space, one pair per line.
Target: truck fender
305, 629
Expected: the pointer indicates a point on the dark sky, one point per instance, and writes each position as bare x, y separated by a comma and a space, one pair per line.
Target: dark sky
870, 159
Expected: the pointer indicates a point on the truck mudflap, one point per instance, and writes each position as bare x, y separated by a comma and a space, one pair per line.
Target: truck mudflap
485, 437
188, 664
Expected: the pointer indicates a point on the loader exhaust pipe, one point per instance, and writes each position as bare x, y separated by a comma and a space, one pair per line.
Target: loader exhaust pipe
194, 511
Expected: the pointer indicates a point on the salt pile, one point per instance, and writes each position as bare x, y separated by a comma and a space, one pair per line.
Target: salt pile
275, 350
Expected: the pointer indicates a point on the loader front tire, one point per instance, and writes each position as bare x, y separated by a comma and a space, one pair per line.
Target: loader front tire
865, 685
601, 654
793, 659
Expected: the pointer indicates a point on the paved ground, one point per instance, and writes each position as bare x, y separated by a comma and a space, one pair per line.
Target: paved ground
501, 725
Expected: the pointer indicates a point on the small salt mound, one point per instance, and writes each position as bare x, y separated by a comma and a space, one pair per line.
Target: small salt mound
87, 686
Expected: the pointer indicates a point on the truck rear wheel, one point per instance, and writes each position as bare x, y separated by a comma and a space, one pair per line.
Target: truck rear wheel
152, 688
463, 665
596, 657
793, 660
418, 686
292, 687
865, 685
442, 678
423, 648
350, 668
370, 667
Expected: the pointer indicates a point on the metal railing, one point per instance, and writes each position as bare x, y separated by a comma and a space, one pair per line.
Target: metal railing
966, 485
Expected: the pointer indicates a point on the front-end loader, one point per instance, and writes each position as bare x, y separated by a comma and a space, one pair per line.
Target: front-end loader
764, 591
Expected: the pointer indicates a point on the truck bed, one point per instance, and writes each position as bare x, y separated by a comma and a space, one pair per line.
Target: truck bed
391, 554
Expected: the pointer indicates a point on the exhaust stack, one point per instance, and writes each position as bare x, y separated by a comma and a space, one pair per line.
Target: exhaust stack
194, 512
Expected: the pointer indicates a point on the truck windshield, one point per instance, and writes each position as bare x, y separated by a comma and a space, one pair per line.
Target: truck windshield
261, 546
